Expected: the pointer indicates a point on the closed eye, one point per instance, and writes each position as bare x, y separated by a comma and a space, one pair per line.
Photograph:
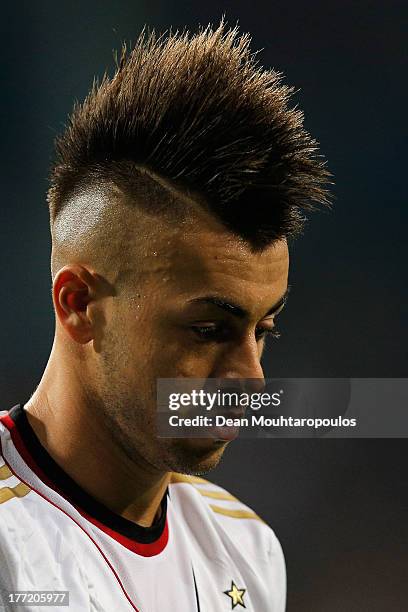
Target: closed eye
210, 333
261, 333
216, 333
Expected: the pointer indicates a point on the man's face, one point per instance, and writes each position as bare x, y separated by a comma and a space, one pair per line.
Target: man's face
163, 324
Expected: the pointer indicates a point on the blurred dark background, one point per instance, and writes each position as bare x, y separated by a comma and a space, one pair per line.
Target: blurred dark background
339, 507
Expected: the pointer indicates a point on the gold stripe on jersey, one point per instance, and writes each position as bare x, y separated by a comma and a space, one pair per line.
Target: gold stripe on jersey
240, 514
5, 472
7, 493
217, 495
175, 478
221, 495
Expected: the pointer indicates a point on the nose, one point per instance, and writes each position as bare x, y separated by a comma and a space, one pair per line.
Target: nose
241, 361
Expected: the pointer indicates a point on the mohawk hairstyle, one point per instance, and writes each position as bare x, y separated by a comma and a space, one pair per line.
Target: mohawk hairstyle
198, 111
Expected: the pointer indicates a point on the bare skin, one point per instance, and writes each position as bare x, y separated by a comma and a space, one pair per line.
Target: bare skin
120, 328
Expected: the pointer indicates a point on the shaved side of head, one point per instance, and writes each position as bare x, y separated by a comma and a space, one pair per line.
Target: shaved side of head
109, 225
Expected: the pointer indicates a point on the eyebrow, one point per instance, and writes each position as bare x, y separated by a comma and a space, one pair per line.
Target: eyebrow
235, 309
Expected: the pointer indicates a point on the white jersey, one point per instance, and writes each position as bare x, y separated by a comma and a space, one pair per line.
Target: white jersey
207, 553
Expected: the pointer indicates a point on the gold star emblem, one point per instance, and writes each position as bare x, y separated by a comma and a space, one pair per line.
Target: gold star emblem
237, 595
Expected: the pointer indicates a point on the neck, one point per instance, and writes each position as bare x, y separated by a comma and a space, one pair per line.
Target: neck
70, 431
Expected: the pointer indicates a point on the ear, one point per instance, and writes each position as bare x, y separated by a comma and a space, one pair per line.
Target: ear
74, 287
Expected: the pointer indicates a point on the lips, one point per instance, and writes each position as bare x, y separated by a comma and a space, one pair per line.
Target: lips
227, 432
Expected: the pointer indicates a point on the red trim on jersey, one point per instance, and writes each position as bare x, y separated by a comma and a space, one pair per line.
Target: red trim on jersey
72, 519
140, 548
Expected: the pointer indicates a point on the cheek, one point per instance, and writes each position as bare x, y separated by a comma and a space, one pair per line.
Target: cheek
128, 344
177, 360
164, 353
149, 347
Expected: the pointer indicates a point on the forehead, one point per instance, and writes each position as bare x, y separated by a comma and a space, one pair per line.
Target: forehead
202, 257
221, 254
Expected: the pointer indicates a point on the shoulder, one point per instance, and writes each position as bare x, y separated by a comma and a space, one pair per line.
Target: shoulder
232, 535
219, 500
224, 509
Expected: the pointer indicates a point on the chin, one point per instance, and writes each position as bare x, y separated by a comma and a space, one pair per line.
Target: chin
195, 456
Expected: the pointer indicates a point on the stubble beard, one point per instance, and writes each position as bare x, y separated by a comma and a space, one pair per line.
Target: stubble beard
131, 422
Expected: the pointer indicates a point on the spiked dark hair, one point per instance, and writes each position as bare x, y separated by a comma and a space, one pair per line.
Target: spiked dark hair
198, 111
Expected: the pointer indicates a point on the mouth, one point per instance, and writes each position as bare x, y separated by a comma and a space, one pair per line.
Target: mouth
225, 433
227, 424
